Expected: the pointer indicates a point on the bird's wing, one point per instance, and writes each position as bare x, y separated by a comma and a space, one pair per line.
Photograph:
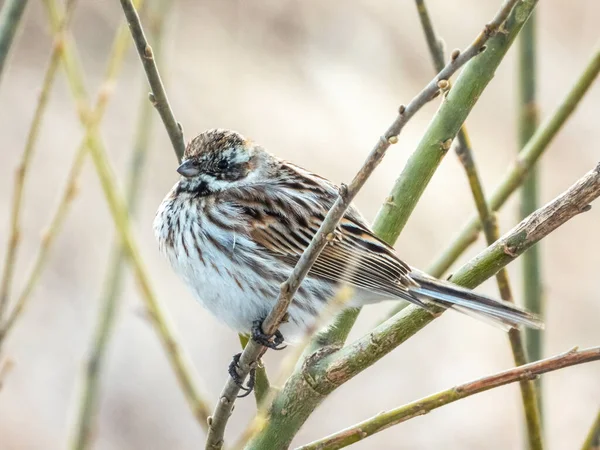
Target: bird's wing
284, 218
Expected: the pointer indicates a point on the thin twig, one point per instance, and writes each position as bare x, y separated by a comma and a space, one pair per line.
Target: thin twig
59, 21
347, 193
527, 124
6, 366
10, 18
84, 425
26, 158
423, 406
592, 441
177, 357
328, 369
464, 152
527, 158
490, 229
158, 97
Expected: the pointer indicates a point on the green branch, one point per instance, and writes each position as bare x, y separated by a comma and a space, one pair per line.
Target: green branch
253, 351
422, 164
490, 227
177, 357
425, 405
84, 426
528, 122
491, 232
527, 158
592, 441
27, 157
329, 368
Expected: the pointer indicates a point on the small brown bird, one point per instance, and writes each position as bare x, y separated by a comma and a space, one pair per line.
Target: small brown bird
238, 220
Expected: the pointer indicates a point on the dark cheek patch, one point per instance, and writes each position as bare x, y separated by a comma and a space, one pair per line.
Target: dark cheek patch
233, 173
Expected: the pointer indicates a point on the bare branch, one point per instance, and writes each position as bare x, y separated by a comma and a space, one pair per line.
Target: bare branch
387, 419
347, 193
158, 97
337, 368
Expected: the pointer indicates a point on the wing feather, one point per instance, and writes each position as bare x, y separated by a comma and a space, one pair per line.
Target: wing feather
283, 221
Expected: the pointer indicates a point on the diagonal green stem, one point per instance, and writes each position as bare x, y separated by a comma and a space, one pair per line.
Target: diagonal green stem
421, 166
592, 440
527, 158
27, 157
490, 228
177, 357
84, 426
420, 407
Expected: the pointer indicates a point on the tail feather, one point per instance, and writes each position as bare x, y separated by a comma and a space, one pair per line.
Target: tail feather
449, 295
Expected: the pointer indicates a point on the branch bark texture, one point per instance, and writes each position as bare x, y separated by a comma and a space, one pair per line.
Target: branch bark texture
423, 406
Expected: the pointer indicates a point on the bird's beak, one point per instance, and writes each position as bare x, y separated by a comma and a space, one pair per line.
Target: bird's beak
188, 169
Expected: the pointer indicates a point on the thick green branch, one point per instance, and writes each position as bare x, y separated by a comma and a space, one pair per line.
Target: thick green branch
436, 141
423, 406
445, 125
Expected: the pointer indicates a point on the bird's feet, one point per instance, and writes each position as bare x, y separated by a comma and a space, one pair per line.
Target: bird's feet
273, 342
233, 373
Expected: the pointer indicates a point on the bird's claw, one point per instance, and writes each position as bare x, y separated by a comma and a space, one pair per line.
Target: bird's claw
233, 373
273, 341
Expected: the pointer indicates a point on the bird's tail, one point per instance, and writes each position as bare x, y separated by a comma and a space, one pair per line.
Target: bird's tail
448, 295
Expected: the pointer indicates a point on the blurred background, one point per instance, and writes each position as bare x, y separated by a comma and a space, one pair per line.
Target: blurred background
316, 83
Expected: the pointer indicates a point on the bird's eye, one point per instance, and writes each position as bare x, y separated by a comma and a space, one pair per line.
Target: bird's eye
223, 164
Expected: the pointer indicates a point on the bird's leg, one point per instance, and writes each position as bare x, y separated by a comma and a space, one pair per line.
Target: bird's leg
233, 373
274, 341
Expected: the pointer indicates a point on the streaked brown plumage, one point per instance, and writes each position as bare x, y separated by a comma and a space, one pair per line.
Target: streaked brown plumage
238, 220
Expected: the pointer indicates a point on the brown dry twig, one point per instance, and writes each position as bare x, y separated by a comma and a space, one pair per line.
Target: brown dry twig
158, 97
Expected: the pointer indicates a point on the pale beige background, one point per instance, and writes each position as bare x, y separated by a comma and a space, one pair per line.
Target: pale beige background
316, 82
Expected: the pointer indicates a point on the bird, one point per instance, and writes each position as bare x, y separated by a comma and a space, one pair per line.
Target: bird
237, 221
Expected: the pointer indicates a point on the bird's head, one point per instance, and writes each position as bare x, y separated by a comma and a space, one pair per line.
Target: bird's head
219, 159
